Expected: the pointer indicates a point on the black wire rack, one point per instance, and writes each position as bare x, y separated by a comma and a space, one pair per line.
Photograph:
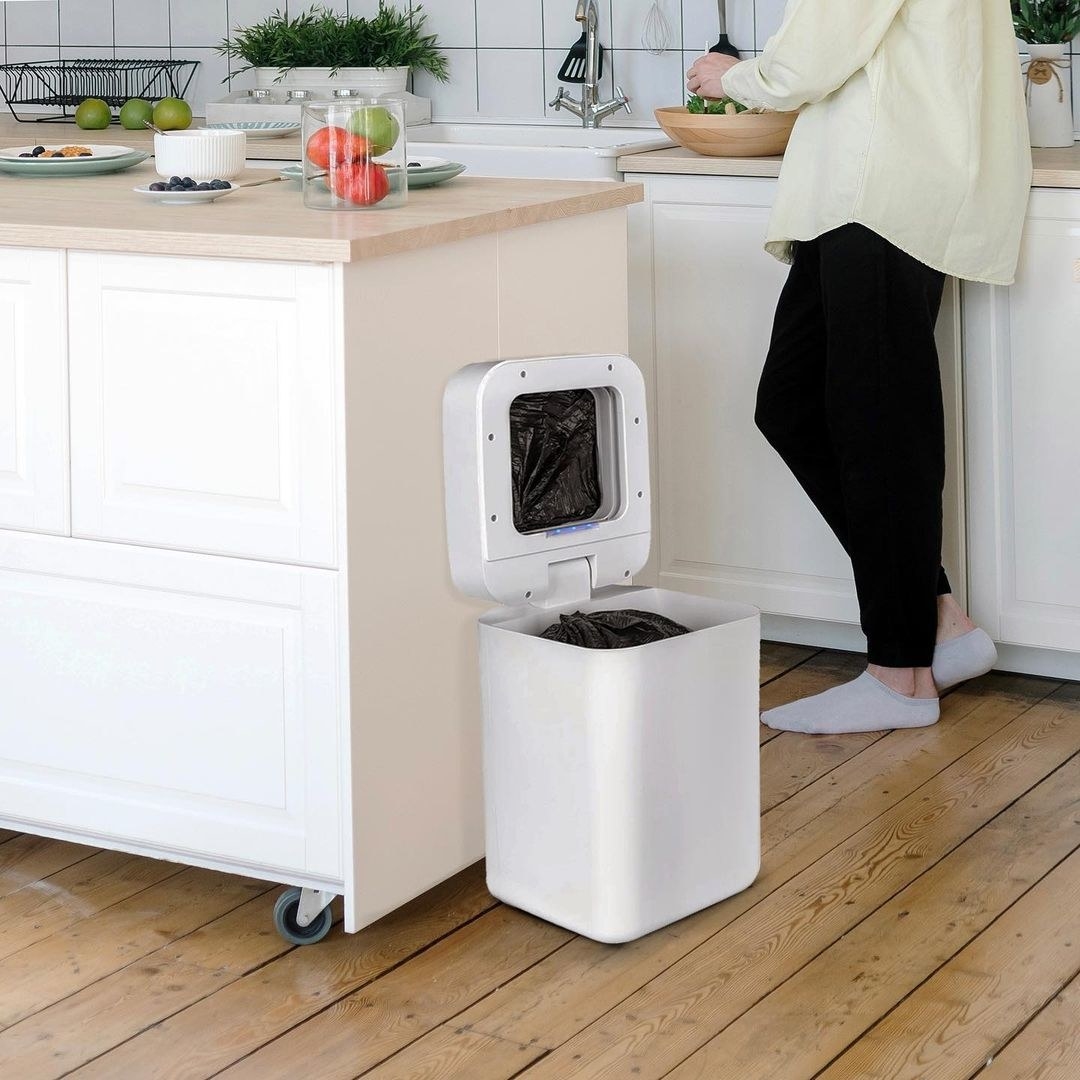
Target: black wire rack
65, 84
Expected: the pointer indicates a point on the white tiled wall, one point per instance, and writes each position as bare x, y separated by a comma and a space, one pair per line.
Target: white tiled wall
504, 54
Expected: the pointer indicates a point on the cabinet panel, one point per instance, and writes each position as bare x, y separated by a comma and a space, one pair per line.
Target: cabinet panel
33, 391
732, 521
203, 405
1024, 455
181, 700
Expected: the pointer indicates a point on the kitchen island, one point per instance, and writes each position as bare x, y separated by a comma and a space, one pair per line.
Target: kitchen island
228, 635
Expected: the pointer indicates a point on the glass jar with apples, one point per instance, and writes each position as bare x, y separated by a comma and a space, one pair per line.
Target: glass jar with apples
354, 154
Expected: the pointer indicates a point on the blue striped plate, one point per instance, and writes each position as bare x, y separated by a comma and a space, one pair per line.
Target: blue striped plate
259, 129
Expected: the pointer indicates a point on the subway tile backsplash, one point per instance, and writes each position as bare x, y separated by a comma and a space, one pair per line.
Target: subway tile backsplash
504, 54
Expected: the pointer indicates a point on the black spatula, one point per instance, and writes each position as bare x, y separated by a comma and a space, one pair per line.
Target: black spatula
577, 61
723, 45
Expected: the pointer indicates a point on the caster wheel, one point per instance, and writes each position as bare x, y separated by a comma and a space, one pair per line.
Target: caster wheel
288, 903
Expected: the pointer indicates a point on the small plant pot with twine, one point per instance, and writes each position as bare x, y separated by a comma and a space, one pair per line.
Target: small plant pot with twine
1046, 80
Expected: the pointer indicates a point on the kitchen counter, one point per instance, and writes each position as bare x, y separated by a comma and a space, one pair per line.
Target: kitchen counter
1054, 167
102, 213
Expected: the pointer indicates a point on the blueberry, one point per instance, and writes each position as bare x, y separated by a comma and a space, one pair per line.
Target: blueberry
26, 155
174, 180
204, 186
188, 182
225, 185
38, 151
158, 187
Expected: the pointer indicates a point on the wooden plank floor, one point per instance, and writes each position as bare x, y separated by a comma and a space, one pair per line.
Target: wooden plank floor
917, 916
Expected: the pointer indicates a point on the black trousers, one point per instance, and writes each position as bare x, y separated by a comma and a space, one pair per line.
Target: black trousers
850, 397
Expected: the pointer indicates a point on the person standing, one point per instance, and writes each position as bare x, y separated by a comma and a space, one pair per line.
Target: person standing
909, 161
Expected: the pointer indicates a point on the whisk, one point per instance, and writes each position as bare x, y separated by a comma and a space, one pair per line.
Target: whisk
656, 33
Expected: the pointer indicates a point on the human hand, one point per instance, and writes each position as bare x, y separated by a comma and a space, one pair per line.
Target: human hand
706, 73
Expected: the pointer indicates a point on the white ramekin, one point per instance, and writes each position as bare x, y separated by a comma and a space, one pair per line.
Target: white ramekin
201, 154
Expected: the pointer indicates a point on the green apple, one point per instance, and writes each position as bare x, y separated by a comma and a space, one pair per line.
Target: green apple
172, 114
378, 125
134, 113
93, 115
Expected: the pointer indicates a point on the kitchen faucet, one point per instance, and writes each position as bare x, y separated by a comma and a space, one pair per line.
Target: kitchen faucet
590, 109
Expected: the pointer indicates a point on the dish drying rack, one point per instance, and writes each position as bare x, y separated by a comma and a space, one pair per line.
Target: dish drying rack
65, 84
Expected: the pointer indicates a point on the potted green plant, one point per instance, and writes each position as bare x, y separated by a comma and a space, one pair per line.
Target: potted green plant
1047, 26
319, 48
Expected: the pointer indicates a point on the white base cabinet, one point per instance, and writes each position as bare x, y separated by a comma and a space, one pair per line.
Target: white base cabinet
33, 391
242, 649
186, 703
1022, 366
731, 521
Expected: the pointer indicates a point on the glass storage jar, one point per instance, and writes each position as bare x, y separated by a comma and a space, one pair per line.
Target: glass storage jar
354, 154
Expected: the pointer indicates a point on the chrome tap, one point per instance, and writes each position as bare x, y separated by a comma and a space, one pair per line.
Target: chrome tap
590, 109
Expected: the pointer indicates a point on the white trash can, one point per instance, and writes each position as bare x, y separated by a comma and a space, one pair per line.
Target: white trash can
621, 785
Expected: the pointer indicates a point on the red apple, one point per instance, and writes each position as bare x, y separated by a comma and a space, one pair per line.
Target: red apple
363, 183
330, 147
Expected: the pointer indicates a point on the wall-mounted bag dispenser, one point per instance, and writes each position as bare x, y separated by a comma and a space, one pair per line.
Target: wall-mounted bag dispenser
621, 783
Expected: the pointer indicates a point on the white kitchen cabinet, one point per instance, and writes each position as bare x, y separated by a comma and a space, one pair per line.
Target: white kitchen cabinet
33, 391
732, 522
1023, 400
203, 409
251, 656
179, 701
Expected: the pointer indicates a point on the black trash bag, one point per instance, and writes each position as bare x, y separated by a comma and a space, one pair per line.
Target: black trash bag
612, 629
554, 459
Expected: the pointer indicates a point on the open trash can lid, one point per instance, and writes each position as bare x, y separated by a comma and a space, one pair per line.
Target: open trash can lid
546, 464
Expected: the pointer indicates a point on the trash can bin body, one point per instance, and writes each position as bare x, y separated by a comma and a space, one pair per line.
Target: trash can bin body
621, 785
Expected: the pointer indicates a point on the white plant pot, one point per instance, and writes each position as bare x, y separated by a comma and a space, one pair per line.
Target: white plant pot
373, 81
1049, 99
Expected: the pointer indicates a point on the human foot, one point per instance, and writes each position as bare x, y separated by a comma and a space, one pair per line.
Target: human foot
865, 704
911, 682
952, 620
961, 658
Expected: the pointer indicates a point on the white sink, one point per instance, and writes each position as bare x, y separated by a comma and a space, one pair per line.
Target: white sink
550, 151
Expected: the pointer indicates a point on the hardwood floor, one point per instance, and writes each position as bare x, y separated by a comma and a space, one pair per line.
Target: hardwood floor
917, 916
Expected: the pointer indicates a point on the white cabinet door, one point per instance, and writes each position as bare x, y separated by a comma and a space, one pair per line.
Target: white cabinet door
181, 701
1022, 346
732, 522
33, 391
203, 410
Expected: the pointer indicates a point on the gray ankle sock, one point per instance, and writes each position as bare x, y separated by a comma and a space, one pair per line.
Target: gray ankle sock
962, 658
865, 704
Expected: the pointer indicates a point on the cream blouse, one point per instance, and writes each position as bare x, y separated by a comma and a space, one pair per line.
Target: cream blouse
913, 124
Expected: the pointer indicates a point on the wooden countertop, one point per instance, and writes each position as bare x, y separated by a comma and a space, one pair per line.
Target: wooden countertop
1054, 167
102, 213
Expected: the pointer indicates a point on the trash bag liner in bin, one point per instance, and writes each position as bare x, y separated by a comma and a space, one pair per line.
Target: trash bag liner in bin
554, 459
613, 629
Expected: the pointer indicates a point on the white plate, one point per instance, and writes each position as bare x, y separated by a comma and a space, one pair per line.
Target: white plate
259, 129
428, 163
181, 198
97, 151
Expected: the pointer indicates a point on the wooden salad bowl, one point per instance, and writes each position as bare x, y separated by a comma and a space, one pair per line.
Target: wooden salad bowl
744, 134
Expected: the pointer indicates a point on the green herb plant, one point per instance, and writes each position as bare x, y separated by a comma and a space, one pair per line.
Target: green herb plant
322, 38
1046, 22
714, 106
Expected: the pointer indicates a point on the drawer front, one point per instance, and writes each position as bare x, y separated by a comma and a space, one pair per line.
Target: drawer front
33, 391
179, 700
203, 405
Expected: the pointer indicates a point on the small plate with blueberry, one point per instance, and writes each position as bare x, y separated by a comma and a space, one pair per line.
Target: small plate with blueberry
182, 190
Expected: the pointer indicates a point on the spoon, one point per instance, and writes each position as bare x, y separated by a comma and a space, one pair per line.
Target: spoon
153, 127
